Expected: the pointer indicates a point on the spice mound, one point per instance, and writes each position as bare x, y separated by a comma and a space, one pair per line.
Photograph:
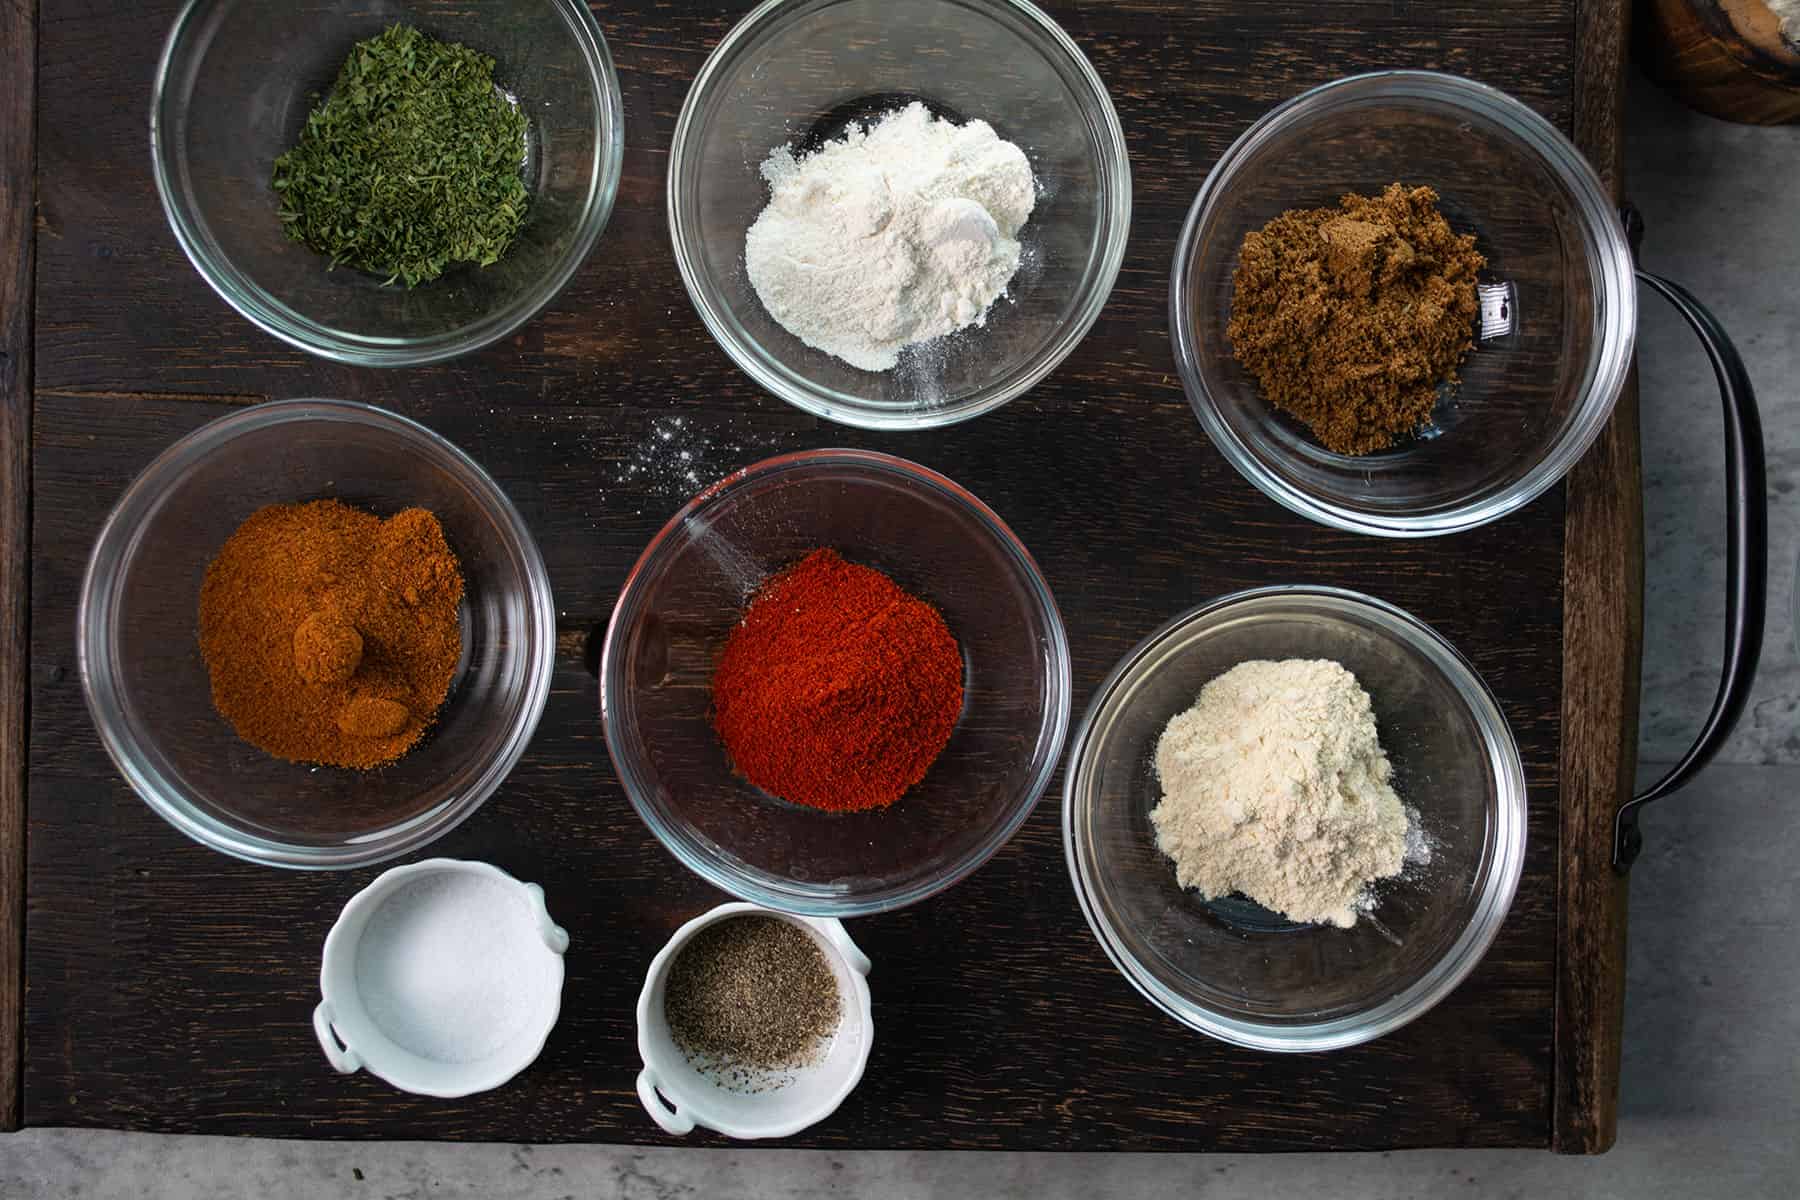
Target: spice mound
837, 690
1351, 317
893, 235
1275, 786
412, 163
330, 635
452, 967
751, 996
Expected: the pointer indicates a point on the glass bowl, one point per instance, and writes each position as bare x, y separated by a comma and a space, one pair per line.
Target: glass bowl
1529, 404
689, 589
233, 90
796, 70
137, 637
1229, 967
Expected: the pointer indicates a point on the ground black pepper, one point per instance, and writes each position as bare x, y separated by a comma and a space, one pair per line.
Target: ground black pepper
750, 996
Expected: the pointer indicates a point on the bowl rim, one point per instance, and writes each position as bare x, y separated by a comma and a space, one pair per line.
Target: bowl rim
273, 317
840, 407
1507, 848
1607, 250
688, 849
94, 619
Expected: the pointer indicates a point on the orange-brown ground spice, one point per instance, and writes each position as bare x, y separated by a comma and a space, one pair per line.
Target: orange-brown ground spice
330, 635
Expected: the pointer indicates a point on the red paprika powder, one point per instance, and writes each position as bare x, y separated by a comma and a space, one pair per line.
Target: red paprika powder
838, 690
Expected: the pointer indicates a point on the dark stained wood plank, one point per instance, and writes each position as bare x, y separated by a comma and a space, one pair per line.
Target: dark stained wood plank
1603, 632
211, 967
1187, 79
18, 81
214, 962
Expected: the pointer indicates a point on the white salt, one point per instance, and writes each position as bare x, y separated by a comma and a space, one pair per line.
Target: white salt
452, 967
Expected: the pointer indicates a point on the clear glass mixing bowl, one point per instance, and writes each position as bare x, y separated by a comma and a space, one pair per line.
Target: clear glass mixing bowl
799, 69
1231, 968
138, 637
233, 90
689, 589
1530, 403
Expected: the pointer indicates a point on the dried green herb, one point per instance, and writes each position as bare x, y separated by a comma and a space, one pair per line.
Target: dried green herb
410, 164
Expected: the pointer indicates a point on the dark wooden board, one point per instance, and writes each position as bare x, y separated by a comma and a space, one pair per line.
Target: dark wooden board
168, 988
1603, 633
194, 1016
18, 78
124, 311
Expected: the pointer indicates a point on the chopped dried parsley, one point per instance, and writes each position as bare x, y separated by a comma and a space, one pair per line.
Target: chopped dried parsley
410, 164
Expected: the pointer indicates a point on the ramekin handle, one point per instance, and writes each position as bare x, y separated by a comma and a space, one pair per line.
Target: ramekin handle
554, 935
833, 929
337, 1053
661, 1110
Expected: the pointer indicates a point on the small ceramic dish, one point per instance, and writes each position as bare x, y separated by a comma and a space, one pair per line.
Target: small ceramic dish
443, 978
678, 1096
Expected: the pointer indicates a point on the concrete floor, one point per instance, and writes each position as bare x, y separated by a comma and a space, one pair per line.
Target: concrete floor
1711, 1092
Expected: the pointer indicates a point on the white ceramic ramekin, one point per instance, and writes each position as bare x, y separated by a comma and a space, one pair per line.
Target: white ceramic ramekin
352, 1038
678, 1096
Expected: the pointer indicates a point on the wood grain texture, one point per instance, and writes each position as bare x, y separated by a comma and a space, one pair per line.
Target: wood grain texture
1603, 628
214, 962
170, 987
18, 81
1725, 58
1187, 78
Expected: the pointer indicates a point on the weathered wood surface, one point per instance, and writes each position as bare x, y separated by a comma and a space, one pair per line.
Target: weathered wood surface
168, 987
18, 79
1603, 633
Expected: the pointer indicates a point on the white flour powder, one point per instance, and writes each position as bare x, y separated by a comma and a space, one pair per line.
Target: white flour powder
1275, 785
897, 234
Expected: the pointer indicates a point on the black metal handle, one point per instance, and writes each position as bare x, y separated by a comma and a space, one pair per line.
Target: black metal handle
1746, 559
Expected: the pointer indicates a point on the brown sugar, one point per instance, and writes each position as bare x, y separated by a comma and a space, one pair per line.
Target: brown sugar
1351, 317
330, 635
